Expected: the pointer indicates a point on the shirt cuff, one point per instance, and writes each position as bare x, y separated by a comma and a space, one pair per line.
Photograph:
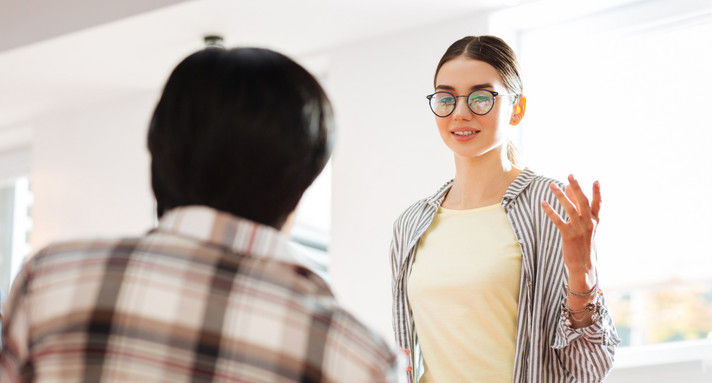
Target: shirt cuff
601, 332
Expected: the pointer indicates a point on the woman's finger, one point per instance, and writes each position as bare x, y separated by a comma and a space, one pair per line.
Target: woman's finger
571, 195
564, 201
596, 202
579, 198
553, 215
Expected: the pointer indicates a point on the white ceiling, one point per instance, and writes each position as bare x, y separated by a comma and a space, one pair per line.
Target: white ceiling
68, 53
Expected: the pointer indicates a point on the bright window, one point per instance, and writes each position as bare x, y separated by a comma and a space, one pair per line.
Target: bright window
625, 98
15, 201
311, 230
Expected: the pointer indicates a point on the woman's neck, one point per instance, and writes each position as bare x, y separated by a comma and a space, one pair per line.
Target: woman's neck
480, 181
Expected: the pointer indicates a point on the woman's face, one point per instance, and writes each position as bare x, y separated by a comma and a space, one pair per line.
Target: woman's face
467, 134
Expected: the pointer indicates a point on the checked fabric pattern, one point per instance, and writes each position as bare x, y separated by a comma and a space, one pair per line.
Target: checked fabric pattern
204, 297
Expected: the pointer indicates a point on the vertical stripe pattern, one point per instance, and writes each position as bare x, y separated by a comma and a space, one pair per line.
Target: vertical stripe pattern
547, 350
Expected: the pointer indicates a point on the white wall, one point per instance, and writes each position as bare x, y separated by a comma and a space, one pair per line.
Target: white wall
388, 154
90, 172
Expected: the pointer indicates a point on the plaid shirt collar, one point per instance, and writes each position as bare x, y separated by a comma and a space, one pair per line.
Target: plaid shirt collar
222, 229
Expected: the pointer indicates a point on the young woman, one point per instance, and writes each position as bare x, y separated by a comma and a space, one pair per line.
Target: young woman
494, 275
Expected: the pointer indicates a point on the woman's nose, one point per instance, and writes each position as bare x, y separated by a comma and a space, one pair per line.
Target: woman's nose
462, 111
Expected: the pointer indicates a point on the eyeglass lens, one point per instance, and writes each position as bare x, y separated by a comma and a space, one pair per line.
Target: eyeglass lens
443, 103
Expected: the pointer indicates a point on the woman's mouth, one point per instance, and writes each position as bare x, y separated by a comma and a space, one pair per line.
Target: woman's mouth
464, 134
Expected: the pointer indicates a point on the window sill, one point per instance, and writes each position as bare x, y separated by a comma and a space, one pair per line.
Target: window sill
688, 360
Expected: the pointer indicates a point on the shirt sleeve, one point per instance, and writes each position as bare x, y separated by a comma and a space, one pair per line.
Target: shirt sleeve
356, 354
393, 252
399, 321
587, 353
16, 330
395, 258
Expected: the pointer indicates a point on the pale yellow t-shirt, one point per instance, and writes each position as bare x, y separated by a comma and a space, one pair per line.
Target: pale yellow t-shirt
463, 290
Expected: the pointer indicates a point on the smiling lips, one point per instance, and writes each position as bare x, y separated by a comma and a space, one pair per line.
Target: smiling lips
464, 134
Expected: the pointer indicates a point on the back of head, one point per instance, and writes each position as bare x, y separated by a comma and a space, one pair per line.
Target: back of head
243, 130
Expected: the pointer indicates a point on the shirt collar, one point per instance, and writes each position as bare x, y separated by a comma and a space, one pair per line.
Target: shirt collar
515, 188
222, 229
518, 185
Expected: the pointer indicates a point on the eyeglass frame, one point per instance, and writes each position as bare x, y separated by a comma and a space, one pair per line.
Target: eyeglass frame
494, 99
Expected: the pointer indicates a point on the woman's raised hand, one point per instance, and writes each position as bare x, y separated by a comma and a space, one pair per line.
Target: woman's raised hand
577, 233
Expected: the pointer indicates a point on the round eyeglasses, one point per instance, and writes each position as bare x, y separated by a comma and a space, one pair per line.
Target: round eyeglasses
480, 102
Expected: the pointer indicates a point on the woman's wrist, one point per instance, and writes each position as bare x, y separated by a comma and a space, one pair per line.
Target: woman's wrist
582, 288
583, 278
577, 303
582, 308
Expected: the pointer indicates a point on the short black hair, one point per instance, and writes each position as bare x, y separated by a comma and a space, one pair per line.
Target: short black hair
243, 130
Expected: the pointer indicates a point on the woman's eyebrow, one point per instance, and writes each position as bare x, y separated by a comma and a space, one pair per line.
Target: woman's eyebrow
478, 86
482, 86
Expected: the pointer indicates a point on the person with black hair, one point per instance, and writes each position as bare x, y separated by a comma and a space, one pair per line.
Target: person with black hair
213, 293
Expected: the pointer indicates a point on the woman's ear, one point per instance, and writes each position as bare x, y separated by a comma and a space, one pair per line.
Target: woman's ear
519, 108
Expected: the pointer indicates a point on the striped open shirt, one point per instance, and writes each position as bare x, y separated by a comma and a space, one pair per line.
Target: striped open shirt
205, 297
547, 351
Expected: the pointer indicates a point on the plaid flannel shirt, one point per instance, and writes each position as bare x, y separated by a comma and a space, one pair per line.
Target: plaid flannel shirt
204, 297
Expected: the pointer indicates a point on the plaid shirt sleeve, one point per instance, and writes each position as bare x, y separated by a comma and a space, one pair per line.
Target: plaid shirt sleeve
15, 331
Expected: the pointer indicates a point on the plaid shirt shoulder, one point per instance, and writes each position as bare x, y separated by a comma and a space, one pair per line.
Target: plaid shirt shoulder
205, 297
